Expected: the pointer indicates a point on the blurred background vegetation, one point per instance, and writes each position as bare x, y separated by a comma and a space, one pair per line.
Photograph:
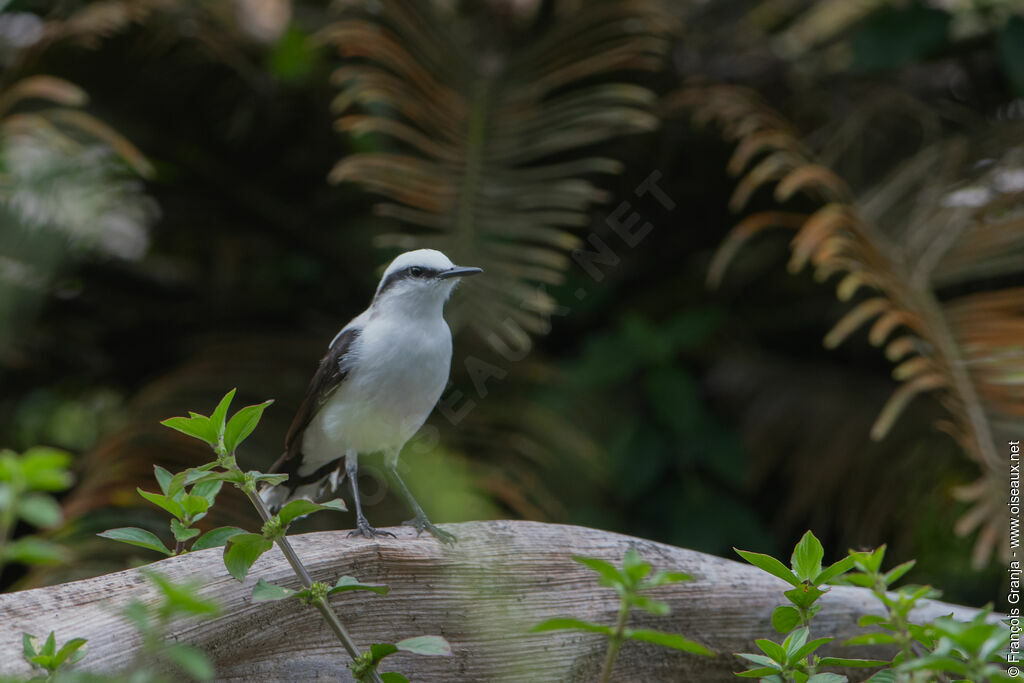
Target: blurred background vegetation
196, 195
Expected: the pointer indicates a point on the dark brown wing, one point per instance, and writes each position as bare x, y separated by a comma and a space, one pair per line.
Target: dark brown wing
332, 372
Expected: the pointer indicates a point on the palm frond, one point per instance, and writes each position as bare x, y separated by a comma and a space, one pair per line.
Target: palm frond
947, 218
486, 152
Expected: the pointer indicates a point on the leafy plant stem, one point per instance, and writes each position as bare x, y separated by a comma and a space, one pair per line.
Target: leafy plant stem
615, 642
321, 604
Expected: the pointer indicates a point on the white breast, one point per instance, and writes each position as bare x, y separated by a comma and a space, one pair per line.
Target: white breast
396, 379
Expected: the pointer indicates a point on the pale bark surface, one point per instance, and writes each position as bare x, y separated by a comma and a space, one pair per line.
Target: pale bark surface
483, 595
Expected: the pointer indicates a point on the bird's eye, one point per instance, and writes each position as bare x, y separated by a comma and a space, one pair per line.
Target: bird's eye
416, 271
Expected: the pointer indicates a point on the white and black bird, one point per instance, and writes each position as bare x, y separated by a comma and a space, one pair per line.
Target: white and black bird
381, 377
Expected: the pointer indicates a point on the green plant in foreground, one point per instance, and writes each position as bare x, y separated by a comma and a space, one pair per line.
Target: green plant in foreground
364, 668
188, 496
926, 652
630, 583
26, 482
47, 656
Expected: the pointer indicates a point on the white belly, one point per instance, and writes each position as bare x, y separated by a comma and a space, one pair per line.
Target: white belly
387, 396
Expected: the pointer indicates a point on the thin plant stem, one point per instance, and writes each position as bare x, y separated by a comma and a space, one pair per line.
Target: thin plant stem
614, 643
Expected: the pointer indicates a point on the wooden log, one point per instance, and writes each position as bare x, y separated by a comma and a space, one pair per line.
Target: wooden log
483, 595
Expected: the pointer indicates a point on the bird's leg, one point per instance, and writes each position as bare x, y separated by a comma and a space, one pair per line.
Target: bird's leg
362, 526
419, 521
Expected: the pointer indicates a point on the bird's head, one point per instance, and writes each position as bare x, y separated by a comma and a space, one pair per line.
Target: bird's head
420, 280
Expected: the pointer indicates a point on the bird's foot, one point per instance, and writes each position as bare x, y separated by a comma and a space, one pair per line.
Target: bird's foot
421, 524
364, 529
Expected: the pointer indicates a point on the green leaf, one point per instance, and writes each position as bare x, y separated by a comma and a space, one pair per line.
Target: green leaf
872, 639
197, 426
208, 488
807, 556
379, 651
897, 572
241, 551
772, 649
770, 565
182, 532
660, 578
169, 504
350, 583
242, 425
650, 605
49, 648
33, 550
425, 645
29, 645
804, 595
72, 651
136, 536
273, 479
884, 676
837, 569
827, 678
871, 620
766, 674
809, 647
570, 624
220, 412
785, 618
633, 566
216, 537
264, 591
181, 598
39, 509
392, 677
46, 469
760, 659
163, 478
610, 576
190, 660
302, 507
841, 661
676, 642
195, 506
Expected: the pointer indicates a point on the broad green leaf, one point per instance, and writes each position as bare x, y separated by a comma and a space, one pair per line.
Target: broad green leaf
197, 426
772, 649
795, 640
379, 651
392, 677
45, 469
570, 624
770, 565
804, 595
760, 659
842, 661
50, 646
871, 620
610, 576
785, 618
264, 591
351, 583
220, 412
71, 651
425, 645
190, 660
216, 537
169, 504
810, 646
39, 509
242, 424
827, 678
195, 506
302, 507
136, 536
765, 673
241, 551
671, 640
884, 676
271, 479
163, 478
208, 489
181, 597
182, 532
33, 550
807, 556
935, 662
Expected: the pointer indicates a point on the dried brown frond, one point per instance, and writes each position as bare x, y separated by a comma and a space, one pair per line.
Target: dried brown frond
949, 216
